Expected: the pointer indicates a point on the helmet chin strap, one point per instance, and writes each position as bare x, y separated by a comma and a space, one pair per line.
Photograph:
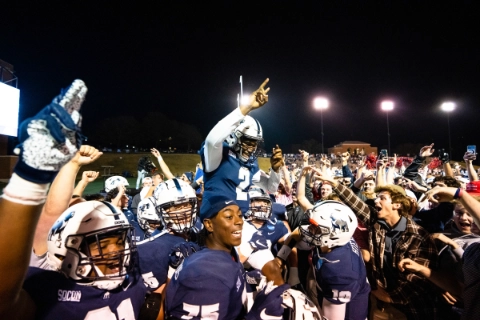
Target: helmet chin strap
106, 283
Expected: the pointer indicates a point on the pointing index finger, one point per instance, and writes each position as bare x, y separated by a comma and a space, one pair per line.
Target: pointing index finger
264, 84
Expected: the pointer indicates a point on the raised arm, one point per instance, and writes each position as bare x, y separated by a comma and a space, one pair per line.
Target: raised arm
271, 182
213, 147
288, 182
469, 158
47, 142
447, 194
165, 169
391, 170
87, 177
412, 170
380, 179
302, 199
60, 195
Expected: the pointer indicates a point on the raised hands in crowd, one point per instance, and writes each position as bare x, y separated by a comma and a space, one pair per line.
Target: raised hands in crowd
235, 232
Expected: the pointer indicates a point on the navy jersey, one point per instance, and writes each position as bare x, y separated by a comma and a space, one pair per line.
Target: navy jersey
342, 278
209, 284
140, 234
153, 255
232, 178
58, 297
279, 211
272, 230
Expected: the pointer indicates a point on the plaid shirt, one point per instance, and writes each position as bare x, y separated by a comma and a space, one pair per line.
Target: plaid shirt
414, 243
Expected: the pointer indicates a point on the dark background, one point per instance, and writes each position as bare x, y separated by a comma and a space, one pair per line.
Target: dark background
184, 58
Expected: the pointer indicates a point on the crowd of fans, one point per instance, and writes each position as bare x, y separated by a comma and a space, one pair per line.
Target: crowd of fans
342, 236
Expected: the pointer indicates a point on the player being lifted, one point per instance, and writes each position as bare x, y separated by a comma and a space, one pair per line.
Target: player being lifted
229, 154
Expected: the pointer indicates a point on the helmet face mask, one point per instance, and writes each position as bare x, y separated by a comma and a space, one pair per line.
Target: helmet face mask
147, 216
260, 204
176, 204
91, 244
248, 149
246, 139
332, 224
104, 254
179, 216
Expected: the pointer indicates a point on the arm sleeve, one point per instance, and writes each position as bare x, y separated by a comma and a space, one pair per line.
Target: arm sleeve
412, 170
443, 212
358, 206
426, 255
308, 189
213, 147
268, 183
332, 311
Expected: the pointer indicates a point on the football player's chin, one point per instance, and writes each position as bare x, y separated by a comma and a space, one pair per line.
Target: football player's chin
236, 238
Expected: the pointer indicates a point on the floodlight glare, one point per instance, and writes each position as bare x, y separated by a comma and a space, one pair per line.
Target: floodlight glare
320, 103
448, 106
245, 99
387, 105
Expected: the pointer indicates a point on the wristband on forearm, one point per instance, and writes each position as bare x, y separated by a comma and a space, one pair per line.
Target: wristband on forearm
285, 250
458, 193
25, 192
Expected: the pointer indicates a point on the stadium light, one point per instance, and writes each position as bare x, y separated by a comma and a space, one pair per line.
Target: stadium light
321, 103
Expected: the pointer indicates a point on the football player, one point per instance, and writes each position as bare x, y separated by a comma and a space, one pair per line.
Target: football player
116, 189
259, 215
149, 223
176, 204
89, 245
338, 267
173, 209
210, 283
229, 154
90, 254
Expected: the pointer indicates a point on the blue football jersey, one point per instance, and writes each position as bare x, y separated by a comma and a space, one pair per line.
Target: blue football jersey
140, 234
58, 297
342, 277
272, 230
209, 284
232, 178
153, 256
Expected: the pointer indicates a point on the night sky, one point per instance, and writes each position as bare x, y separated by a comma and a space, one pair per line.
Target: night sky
185, 59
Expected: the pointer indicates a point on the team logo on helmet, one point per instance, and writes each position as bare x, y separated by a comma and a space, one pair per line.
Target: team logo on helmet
332, 224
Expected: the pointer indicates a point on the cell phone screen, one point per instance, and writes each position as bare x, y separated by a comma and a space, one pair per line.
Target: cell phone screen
472, 149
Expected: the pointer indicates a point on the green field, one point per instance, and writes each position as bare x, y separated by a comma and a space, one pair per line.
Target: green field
178, 164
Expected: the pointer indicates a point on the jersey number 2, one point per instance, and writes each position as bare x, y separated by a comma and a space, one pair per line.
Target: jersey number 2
244, 176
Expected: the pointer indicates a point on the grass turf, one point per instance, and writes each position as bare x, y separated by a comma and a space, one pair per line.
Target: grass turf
121, 162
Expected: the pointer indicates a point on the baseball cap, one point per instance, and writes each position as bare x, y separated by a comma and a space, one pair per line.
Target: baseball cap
473, 188
211, 206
